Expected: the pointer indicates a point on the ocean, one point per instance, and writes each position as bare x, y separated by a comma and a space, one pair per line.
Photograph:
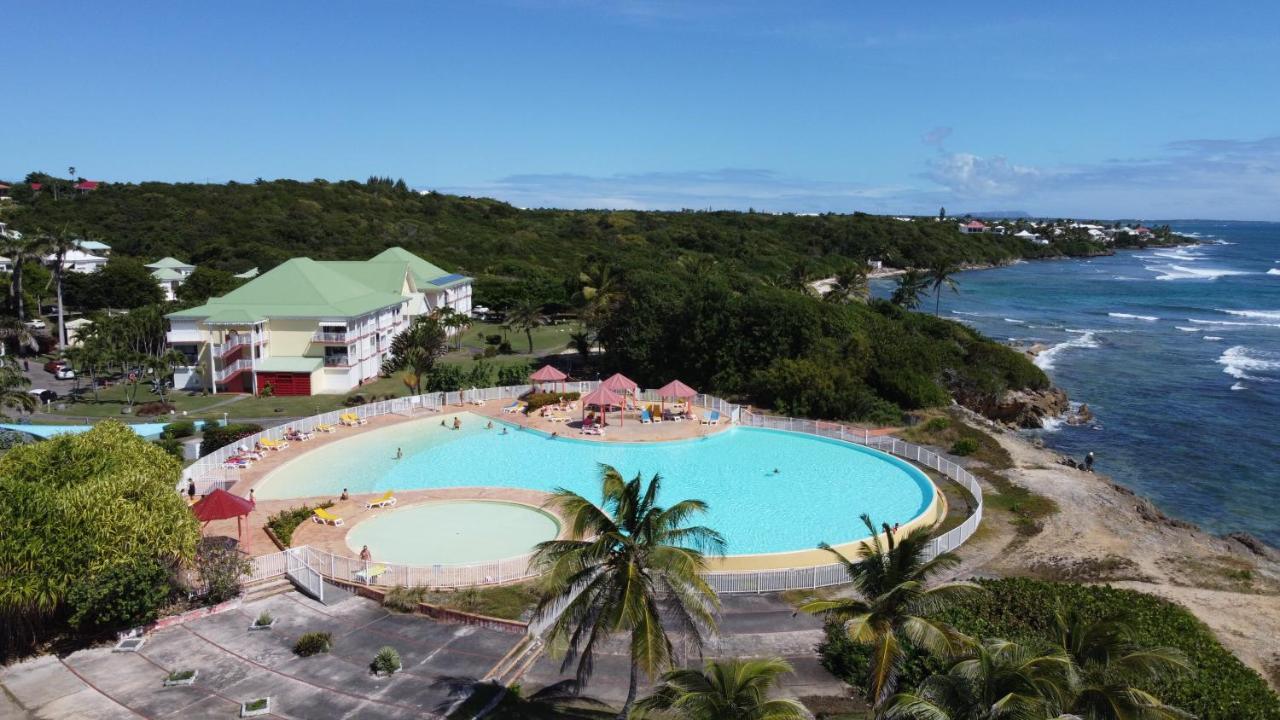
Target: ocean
1177, 353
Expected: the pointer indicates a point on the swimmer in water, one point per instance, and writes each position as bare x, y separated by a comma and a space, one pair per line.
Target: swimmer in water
399, 453
489, 426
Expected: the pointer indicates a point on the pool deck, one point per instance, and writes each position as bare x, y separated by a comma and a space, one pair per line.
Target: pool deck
353, 510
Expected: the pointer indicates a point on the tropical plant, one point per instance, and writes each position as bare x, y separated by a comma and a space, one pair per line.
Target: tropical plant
11, 328
386, 662
221, 570
723, 690
313, 643
630, 567
580, 341
416, 350
20, 250
59, 244
120, 596
598, 291
1112, 667
13, 387
910, 289
1000, 679
524, 316
894, 603
848, 284
472, 698
941, 275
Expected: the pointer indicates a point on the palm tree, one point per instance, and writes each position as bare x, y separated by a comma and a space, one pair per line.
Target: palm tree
13, 388
912, 285
630, 567
939, 277
894, 604
1110, 665
417, 349
723, 690
59, 244
581, 342
597, 293
19, 250
999, 679
12, 327
524, 316
848, 284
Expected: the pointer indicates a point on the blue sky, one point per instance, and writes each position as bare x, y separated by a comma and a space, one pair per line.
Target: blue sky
1101, 109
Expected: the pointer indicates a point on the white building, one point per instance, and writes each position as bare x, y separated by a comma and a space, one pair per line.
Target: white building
78, 261
169, 274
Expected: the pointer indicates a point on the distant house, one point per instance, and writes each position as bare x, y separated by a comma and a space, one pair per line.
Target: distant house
6, 264
1030, 237
5, 192
1140, 230
999, 230
169, 274
248, 274
87, 185
94, 246
973, 227
78, 261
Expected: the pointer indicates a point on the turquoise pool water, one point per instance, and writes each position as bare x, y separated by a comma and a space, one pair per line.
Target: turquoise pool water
146, 430
452, 532
817, 494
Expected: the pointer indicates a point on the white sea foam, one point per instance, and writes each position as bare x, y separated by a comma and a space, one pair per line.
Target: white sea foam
1237, 386
1212, 338
1086, 340
1243, 363
1182, 272
1257, 314
1052, 424
1184, 328
970, 314
1015, 321
1228, 324
1273, 271
1179, 254
1127, 316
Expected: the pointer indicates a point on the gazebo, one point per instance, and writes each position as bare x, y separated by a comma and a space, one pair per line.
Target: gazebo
622, 385
677, 391
603, 398
546, 373
222, 505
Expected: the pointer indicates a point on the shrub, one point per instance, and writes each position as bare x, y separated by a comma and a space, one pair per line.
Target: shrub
224, 435
313, 643
538, 400
355, 400
404, 599
937, 424
386, 662
267, 391
264, 619
505, 348
180, 429
152, 409
964, 447
492, 339
285, 522
222, 570
509, 375
121, 596
171, 446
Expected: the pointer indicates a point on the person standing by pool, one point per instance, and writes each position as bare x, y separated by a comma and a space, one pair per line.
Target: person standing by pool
344, 495
457, 423
365, 555
399, 453
191, 489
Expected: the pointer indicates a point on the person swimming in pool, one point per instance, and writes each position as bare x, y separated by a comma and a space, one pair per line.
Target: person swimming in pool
457, 424
399, 453
504, 431
489, 425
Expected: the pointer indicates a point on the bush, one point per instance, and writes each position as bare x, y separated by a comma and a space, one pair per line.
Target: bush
404, 599
222, 570
224, 435
505, 348
264, 619
285, 522
386, 662
313, 643
964, 447
509, 375
152, 409
171, 446
538, 400
492, 339
355, 400
937, 424
121, 596
180, 429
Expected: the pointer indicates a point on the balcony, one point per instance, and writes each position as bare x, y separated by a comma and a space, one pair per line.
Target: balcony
335, 338
226, 372
236, 342
337, 361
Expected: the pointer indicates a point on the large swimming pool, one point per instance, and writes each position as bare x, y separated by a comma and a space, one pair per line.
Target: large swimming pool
816, 494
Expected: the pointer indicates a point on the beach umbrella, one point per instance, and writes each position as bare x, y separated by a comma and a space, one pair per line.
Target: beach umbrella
675, 389
622, 385
546, 373
222, 505
602, 397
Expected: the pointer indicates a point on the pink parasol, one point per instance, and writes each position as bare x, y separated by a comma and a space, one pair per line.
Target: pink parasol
603, 398
546, 373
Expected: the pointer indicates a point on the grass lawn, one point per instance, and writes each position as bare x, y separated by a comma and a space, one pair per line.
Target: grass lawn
546, 338
112, 400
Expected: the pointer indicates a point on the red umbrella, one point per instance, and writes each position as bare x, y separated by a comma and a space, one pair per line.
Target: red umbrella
221, 505
602, 397
546, 373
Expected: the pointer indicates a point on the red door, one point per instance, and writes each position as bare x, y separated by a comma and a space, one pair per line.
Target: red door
283, 383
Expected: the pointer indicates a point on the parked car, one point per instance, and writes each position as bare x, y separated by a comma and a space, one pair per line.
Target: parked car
43, 395
65, 373
36, 324
53, 366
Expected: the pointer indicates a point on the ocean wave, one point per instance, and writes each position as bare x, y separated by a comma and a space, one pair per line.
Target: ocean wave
1178, 254
1127, 316
1015, 321
1239, 362
1182, 272
1212, 338
1228, 324
1238, 386
1257, 314
1273, 271
970, 314
1046, 358
1184, 328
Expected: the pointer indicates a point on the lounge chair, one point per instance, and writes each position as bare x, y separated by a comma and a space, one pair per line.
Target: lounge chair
324, 517
514, 407
351, 419
712, 418
385, 500
273, 444
236, 462
645, 417
370, 574
475, 401
325, 428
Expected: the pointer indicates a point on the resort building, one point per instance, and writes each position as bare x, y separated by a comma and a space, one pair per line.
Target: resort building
973, 227
308, 326
78, 261
169, 274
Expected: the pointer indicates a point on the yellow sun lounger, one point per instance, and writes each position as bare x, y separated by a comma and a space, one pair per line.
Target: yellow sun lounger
325, 428
371, 574
351, 419
387, 499
324, 517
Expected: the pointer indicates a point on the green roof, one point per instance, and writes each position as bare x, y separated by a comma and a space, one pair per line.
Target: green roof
289, 364
168, 262
384, 276
423, 271
166, 274
233, 316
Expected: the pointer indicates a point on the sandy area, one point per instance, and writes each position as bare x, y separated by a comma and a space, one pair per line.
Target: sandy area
1104, 533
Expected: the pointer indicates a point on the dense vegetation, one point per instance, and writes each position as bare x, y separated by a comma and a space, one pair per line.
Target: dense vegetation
83, 515
1218, 686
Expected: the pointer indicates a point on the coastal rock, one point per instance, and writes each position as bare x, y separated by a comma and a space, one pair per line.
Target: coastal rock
1253, 545
1083, 416
1022, 408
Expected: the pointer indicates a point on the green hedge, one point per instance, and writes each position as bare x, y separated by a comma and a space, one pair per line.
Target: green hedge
1220, 687
535, 401
285, 522
221, 436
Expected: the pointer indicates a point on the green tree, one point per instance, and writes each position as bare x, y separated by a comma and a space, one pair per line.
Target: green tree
910, 289
598, 292
59, 244
11, 328
941, 275
124, 283
20, 251
626, 561
849, 284
580, 341
109, 490
525, 316
895, 605
416, 350
1000, 679
13, 387
723, 690
206, 282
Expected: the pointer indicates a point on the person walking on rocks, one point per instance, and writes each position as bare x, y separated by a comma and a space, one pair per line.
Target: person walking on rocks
1088, 461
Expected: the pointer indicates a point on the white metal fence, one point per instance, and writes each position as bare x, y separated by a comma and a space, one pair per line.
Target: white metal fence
209, 472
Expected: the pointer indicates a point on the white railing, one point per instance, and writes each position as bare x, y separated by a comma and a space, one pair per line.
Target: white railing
226, 371
302, 573
210, 472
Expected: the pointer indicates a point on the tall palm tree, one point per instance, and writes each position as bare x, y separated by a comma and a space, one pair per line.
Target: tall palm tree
13, 388
912, 285
581, 342
19, 250
524, 316
630, 567
723, 690
940, 276
998, 680
894, 604
416, 350
12, 327
597, 293
59, 244
1111, 666
848, 284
